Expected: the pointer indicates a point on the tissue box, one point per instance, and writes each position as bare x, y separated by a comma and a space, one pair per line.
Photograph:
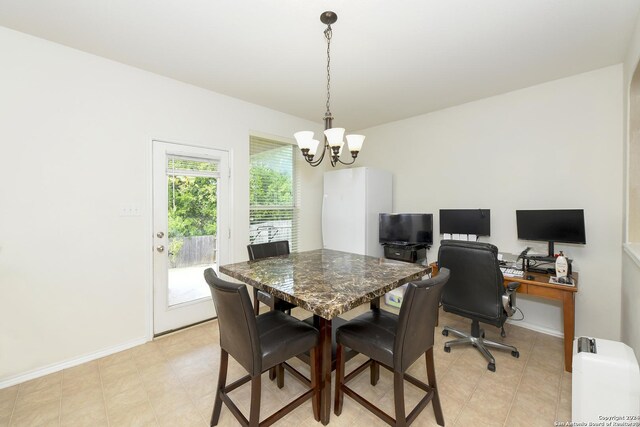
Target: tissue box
394, 297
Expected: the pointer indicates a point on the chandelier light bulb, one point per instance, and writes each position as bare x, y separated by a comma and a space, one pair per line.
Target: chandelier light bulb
313, 148
355, 142
334, 136
304, 139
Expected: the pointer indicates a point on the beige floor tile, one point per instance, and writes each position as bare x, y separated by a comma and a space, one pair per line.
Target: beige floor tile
114, 359
163, 386
545, 381
171, 381
169, 400
85, 397
113, 373
140, 415
77, 383
564, 405
530, 404
175, 408
81, 370
123, 384
204, 405
487, 407
7, 403
161, 371
182, 417
126, 400
89, 414
37, 392
37, 414
526, 416
45, 382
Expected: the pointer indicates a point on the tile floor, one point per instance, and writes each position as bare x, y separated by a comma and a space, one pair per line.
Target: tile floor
170, 382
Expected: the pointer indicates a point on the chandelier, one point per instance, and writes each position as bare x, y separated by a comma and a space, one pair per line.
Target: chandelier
333, 137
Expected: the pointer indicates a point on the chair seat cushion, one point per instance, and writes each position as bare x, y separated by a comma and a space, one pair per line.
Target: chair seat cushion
372, 334
283, 337
273, 302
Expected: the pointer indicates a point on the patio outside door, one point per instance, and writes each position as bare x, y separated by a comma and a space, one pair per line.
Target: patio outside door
190, 230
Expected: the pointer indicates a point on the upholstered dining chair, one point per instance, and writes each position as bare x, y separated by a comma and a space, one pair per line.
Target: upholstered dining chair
259, 251
258, 343
395, 342
266, 250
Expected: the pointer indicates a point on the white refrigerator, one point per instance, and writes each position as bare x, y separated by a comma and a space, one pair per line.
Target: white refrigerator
352, 200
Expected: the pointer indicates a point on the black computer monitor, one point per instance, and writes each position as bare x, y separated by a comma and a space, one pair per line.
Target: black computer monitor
465, 221
406, 229
557, 225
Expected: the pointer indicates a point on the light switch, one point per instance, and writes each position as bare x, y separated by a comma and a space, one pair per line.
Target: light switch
130, 209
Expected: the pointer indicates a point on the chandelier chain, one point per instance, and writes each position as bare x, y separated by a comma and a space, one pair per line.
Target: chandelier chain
327, 35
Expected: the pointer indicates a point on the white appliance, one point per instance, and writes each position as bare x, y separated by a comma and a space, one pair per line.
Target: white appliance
352, 200
605, 383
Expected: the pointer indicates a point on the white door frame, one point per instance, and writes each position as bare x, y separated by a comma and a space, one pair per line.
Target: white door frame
224, 209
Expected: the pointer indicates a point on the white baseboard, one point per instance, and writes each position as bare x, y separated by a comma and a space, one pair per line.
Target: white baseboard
537, 328
20, 378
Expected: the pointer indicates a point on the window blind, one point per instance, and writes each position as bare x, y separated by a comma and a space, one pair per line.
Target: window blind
273, 214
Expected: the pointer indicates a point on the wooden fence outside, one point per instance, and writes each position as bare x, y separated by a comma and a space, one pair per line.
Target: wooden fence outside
195, 250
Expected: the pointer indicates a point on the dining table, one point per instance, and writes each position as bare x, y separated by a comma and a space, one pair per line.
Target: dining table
326, 283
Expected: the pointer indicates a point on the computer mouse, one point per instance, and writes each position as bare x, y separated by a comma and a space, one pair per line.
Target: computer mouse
531, 277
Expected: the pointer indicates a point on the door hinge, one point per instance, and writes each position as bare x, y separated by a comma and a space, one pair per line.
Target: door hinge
229, 234
229, 172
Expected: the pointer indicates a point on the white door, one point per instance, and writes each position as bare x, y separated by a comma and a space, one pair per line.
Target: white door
190, 230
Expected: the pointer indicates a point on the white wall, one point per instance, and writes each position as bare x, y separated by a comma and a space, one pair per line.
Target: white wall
630, 316
631, 300
75, 144
555, 145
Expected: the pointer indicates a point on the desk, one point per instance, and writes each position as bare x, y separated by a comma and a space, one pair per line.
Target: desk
327, 283
540, 287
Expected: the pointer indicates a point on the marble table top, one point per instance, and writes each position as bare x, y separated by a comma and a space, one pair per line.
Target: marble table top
325, 282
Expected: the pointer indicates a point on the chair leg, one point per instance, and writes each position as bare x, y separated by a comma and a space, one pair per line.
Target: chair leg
398, 398
375, 372
272, 374
280, 375
256, 303
222, 380
339, 397
315, 381
431, 375
254, 414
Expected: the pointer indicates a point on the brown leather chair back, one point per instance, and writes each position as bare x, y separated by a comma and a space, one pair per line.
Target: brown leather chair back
417, 320
237, 323
266, 250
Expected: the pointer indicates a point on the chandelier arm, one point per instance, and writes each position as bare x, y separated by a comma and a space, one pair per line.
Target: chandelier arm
353, 160
316, 162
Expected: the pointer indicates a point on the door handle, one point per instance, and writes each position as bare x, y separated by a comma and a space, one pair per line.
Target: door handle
160, 248
160, 234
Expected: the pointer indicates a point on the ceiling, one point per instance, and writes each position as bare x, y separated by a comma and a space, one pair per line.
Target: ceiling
389, 59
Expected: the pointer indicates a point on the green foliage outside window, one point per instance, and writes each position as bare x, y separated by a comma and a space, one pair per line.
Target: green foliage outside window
268, 187
192, 206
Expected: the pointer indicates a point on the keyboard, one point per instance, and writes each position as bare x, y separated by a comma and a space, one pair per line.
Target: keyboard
511, 272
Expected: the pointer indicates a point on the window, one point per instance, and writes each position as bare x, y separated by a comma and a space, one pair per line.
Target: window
273, 214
